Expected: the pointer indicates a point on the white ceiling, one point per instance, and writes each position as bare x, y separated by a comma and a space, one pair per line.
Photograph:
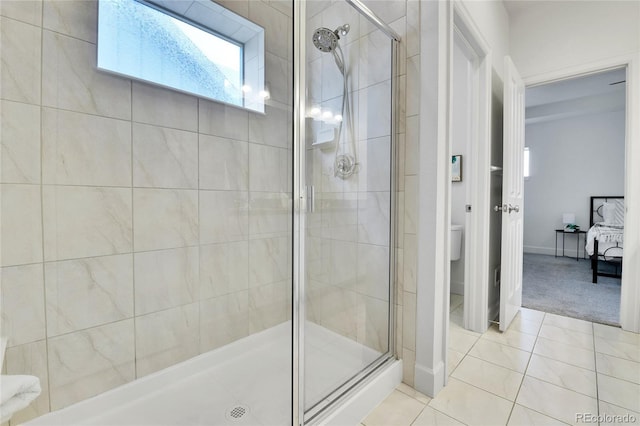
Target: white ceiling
515, 7
592, 94
579, 87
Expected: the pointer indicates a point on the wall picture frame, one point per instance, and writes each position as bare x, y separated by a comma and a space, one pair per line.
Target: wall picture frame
456, 168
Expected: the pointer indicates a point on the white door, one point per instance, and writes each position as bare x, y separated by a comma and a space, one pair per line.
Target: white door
512, 195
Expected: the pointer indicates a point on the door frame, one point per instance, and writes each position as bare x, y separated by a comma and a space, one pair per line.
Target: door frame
476, 231
299, 198
630, 289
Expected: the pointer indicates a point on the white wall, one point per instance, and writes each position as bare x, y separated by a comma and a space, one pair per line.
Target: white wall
492, 20
433, 160
560, 34
571, 160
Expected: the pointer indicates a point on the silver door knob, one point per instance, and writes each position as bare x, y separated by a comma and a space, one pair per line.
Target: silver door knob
497, 208
514, 208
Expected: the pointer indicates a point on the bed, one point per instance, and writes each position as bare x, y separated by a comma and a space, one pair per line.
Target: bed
605, 237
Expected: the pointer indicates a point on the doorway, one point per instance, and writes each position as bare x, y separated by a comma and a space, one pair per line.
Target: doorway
462, 141
575, 138
469, 146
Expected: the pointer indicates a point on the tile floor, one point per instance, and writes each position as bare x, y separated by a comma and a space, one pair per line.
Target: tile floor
543, 371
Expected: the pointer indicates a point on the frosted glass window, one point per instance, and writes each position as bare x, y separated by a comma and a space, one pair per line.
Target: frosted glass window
150, 42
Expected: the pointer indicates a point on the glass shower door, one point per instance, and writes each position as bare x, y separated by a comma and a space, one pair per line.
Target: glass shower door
348, 176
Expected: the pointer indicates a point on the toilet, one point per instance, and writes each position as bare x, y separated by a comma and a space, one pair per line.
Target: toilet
456, 242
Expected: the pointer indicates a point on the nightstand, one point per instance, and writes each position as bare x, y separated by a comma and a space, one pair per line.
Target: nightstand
577, 234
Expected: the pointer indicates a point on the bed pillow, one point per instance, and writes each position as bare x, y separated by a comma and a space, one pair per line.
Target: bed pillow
618, 214
613, 213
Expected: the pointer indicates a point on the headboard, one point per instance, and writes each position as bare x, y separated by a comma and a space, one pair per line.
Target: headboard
595, 207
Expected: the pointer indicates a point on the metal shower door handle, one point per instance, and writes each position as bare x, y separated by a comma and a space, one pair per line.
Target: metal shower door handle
311, 198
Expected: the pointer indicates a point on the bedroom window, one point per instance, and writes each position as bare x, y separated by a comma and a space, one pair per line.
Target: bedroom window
526, 168
193, 46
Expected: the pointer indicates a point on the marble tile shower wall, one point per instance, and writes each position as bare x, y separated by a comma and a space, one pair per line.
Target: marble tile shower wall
140, 226
348, 235
408, 199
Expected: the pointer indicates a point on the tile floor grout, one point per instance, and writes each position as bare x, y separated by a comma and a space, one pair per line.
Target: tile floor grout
524, 374
595, 366
568, 325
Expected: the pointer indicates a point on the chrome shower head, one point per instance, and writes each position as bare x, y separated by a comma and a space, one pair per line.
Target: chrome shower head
326, 40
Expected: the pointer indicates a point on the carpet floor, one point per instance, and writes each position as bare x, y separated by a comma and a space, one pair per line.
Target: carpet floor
562, 286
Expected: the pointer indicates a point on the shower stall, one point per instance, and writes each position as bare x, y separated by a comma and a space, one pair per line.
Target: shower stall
171, 259
345, 171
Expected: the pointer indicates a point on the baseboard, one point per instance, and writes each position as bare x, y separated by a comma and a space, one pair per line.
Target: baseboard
429, 381
550, 251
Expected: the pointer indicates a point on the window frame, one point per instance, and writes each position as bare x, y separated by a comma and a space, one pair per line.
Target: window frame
259, 93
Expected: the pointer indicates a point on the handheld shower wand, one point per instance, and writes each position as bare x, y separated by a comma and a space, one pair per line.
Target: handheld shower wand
326, 40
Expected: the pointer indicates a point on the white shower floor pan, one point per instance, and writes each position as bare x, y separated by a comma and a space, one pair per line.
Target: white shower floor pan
247, 382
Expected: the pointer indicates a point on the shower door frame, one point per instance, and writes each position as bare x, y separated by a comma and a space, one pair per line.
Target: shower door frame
300, 207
